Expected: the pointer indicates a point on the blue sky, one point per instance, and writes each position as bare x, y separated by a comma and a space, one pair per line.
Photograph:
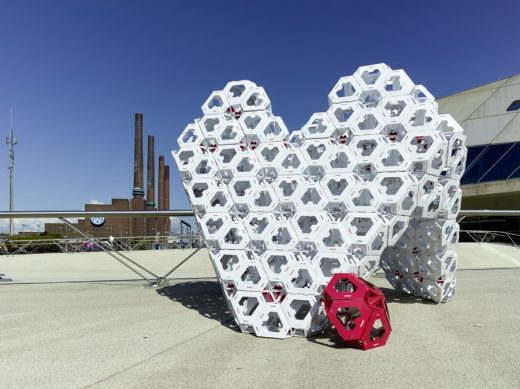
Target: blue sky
76, 71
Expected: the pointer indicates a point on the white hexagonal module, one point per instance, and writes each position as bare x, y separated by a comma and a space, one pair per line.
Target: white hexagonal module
397, 225
230, 134
274, 130
190, 136
398, 191
213, 225
302, 280
257, 224
272, 323
333, 238
326, 264
365, 198
230, 263
423, 117
308, 223
235, 91
256, 99
368, 122
270, 154
340, 160
344, 115
227, 156
287, 187
346, 89
392, 157
278, 264
281, 236
300, 310
219, 199
338, 186
212, 125
396, 83
234, 237
421, 94
199, 190
292, 162
316, 151
185, 157
215, 104
372, 76
262, 199
204, 166
319, 126
450, 198
247, 165
366, 147
310, 197
368, 233
396, 109
247, 306
252, 277
427, 150
253, 122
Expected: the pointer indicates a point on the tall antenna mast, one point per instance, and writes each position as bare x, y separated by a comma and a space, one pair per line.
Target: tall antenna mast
11, 141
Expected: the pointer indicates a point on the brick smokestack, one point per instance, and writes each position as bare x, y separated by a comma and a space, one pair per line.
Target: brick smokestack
150, 173
161, 203
167, 195
138, 191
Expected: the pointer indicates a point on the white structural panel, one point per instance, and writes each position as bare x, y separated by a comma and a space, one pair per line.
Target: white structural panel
371, 183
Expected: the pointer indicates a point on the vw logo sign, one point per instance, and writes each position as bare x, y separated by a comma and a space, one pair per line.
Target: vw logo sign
97, 221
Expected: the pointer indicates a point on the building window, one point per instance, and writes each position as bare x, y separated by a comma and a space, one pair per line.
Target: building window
515, 105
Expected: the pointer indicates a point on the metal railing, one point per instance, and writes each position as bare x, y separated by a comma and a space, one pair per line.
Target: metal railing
479, 237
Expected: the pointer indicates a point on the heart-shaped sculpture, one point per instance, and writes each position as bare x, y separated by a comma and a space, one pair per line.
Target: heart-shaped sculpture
371, 183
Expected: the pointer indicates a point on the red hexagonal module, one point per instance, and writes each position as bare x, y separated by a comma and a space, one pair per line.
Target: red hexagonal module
358, 311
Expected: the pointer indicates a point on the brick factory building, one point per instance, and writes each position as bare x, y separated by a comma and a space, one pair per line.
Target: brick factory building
127, 226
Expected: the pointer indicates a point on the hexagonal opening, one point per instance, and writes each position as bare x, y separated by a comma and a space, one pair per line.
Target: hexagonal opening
218, 200
378, 242
364, 199
210, 124
392, 185
199, 188
216, 101
311, 195
282, 236
394, 132
317, 127
303, 280
273, 322
252, 121
203, 167
334, 239
421, 118
370, 98
185, 156
245, 166
369, 122
397, 228
189, 136
421, 143
393, 159
270, 153
232, 237
408, 201
255, 100
258, 224
305, 223
315, 173
394, 84
229, 133
343, 114
237, 90
346, 316
367, 146
240, 187
316, 151
249, 305
272, 129
263, 199
291, 161
228, 261
395, 107
362, 225
227, 154
336, 187
341, 161
327, 266
276, 262
251, 276
365, 169
213, 225
337, 209
300, 308
288, 187
371, 76
347, 89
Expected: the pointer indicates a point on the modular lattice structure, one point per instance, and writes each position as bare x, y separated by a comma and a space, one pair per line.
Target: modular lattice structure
371, 183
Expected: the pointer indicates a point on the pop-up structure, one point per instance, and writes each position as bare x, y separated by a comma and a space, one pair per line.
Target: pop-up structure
371, 183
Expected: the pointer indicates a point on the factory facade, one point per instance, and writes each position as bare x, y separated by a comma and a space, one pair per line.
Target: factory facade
141, 200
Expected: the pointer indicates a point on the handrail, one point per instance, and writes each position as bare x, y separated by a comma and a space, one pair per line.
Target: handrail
189, 212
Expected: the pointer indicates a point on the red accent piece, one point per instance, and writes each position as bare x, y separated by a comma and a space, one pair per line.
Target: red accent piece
354, 306
392, 136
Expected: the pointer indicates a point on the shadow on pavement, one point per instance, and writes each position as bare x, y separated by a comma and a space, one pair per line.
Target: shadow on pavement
399, 297
205, 297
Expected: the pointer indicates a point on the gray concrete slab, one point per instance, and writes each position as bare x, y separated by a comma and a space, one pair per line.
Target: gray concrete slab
126, 335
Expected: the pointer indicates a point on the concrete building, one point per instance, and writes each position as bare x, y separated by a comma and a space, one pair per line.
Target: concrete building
490, 116
140, 201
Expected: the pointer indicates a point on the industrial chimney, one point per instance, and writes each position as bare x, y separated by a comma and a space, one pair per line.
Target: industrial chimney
161, 201
150, 173
167, 196
138, 191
